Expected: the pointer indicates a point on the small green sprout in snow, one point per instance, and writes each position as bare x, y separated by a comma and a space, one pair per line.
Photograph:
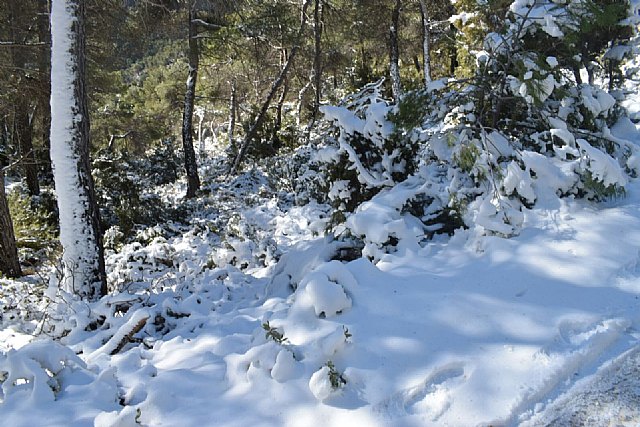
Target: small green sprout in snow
335, 378
273, 333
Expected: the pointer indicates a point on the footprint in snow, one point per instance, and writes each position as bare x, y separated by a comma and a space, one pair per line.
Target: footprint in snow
430, 398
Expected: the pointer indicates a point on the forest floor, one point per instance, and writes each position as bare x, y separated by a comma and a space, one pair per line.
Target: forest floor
264, 326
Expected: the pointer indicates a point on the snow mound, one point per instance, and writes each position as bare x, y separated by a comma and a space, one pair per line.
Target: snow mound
325, 288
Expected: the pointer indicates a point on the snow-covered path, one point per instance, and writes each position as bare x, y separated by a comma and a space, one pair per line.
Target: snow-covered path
609, 397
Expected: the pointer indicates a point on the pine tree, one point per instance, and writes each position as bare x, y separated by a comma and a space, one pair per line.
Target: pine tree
80, 231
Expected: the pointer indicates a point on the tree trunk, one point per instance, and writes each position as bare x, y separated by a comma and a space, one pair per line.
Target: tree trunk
22, 112
272, 93
317, 61
301, 95
394, 53
232, 113
9, 264
191, 167
80, 231
426, 43
44, 35
24, 134
277, 126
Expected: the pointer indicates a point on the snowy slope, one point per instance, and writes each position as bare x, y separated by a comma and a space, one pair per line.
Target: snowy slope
474, 330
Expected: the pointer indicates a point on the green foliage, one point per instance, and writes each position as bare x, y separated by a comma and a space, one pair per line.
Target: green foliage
273, 334
594, 189
145, 102
466, 157
35, 220
336, 378
272, 136
121, 183
410, 111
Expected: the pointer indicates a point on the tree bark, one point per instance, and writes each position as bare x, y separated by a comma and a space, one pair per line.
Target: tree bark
272, 93
277, 126
24, 133
80, 230
317, 61
9, 264
191, 167
44, 35
426, 43
232, 112
394, 53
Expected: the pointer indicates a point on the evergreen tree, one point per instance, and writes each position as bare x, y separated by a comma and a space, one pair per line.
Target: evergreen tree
80, 231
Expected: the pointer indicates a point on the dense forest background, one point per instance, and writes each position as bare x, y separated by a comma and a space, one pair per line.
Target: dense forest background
249, 56
333, 100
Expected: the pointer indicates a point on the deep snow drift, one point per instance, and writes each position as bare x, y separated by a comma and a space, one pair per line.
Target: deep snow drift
472, 330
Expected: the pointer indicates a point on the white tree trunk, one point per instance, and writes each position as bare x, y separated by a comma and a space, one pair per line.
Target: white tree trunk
394, 53
426, 42
80, 234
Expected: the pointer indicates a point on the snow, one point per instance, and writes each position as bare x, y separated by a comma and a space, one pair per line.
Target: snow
603, 167
320, 385
476, 329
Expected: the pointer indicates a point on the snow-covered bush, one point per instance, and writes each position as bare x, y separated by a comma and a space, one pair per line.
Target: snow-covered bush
122, 187
525, 126
36, 371
326, 381
364, 152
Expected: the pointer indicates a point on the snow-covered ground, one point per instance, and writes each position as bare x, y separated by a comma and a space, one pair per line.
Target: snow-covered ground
539, 329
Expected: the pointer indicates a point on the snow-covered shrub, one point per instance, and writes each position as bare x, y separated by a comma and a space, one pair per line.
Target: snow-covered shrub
293, 173
36, 371
326, 381
21, 300
364, 152
524, 126
326, 290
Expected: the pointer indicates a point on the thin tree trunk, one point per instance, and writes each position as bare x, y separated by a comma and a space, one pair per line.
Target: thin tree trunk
24, 134
301, 94
283, 96
232, 113
9, 264
80, 230
193, 180
44, 35
272, 93
426, 43
394, 53
317, 61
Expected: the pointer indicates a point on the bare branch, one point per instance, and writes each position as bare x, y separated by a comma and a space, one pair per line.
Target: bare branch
16, 44
207, 25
